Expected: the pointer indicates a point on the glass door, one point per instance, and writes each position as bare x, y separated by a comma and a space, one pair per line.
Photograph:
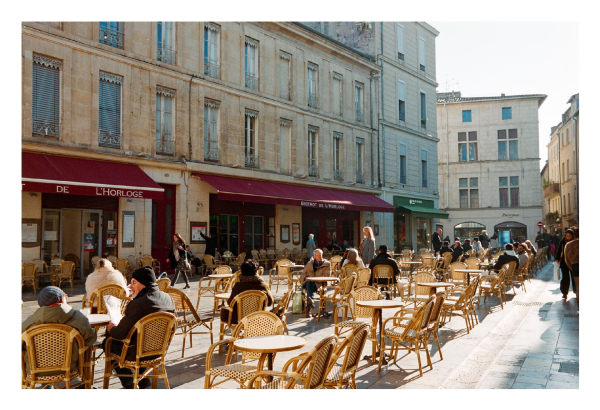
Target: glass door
228, 234
51, 235
91, 239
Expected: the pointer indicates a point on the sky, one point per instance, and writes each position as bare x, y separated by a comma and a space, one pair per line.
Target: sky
490, 58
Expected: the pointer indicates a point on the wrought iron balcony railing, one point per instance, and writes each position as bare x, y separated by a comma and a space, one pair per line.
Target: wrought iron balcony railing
112, 37
338, 175
166, 55
46, 128
165, 147
313, 100
212, 70
251, 161
313, 170
251, 82
360, 177
359, 115
212, 154
111, 139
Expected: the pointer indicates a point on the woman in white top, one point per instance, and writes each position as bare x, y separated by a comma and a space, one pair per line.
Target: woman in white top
353, 259
104, 275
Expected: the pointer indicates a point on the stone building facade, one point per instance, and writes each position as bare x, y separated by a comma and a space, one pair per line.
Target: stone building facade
489, 165
185, 102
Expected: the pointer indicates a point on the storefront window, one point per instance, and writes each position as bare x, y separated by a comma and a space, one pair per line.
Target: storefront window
253, 233
228, 233
110, 233
401, 231
423, 233
468, 230
270, 231
51, 235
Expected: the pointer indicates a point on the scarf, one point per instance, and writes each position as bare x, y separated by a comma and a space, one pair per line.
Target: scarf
176, 251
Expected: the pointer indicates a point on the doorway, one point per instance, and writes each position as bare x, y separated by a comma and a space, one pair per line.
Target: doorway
91, 234
163, 225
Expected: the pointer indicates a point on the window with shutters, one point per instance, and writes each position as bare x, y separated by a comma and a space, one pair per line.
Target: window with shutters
424, 168
211, 130
111, 33
251, 63
402, 163
212, 50
165, 42
313, 166
422, 58
285, 146
400, 40
285, 76
337, 153
401, 100
337, 94
165, 101
466, 116
359, 101
467, 149
506, 113
46, 96
423, 110
109, 110
251, 150
312, 72
360, 153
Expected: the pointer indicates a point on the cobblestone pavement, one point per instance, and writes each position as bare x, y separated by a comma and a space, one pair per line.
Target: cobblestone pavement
533, 343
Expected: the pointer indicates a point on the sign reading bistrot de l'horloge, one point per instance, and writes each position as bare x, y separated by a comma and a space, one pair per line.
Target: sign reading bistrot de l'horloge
309, 204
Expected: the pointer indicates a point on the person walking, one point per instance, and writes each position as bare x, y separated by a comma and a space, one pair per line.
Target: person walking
310, 246
367, 246
572, 260
178, 259
436, 241
559, 257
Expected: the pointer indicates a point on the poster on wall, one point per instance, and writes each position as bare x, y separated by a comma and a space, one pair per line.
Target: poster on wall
285, 233
128, 229
29, 232
296, 234
111, 238
196, 229
89, 242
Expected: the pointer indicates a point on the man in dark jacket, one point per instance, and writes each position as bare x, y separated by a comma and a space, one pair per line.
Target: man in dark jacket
436, 241
147, 299
211, 244
457, 252
445, 248
484, 239
506, 257
193, 260
384, 259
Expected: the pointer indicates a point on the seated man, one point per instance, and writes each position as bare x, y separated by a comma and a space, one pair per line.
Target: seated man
54, 309
522, 255
316, 266
445, 248
506, 257
197, 263
467, 245
383, 258
147, 299
457, 252
249, 280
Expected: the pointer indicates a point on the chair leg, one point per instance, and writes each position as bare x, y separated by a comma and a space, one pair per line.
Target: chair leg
381, 354
438, 345
155, 373
425, 346
164, 375
418, 352
107, 373
136, 375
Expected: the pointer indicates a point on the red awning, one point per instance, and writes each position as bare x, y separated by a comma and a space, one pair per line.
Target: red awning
77, 176
264, 192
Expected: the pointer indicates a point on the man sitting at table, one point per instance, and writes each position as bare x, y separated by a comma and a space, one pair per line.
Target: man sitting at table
457, 252
249, 280
445, 248
506, 257
54, 309
147, 299
522, 255
383, 258
316, 266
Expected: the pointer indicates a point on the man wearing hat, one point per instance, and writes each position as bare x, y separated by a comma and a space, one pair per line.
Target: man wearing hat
54, 309
147, 299
383, 258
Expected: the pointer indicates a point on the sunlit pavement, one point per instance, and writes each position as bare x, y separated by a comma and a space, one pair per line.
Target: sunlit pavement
533, 343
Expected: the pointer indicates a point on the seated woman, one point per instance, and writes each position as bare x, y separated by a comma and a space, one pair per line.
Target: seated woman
354, 259
104, 275
249, 280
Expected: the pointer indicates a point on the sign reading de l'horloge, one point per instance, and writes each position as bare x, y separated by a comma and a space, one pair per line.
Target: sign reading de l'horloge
89, 190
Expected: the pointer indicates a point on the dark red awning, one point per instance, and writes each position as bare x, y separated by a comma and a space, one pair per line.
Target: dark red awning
77, 176
264, 192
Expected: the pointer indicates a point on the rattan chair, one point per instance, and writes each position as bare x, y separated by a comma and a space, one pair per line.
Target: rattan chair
43, 270
96, 299
443, 264
210, 264
458, 278
493, 285
188, 318
460, 306
29, 275
383, 277
112, 258
133, 263
338, 297
472, 263
407, 333
75, 259
49, 348
364, 275
255, 324
421, 293
280, 274
210, 287
301, 257
122, 265
65, 273
348, 269
163, 284
237, 263
95, 260
281, 307
509, 277
245, 303
154, 333
335, 262
309, 370
351, 348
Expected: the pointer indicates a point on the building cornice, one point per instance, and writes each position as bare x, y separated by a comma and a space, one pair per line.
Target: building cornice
483, 161
429, 27
409, 130
408, 70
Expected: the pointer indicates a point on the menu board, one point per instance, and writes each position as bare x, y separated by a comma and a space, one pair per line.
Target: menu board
128, 229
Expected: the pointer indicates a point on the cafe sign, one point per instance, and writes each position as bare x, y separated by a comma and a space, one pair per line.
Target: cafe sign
402, 201
92, 190
320, 205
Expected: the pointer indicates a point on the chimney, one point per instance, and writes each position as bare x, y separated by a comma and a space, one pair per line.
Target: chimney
502, 95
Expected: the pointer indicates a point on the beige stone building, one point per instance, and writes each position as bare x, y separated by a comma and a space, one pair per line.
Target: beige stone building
489, 165
133, 131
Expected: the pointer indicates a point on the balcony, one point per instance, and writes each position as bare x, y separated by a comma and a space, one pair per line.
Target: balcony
552, 190
338, 174
165, 147
166, 55
360, 177
313, 171
251, 161
313, 100
110, 139
251, 82
212, 70
51, 129
212, 154
111, 37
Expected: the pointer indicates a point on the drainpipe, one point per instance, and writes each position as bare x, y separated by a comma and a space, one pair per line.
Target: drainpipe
447, 157
382, 115
371, 98
190, 119
576, 119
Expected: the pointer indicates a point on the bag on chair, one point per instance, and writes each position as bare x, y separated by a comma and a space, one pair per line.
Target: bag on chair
298, 302
556, 271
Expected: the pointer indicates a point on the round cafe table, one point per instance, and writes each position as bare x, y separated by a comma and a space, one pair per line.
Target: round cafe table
435, 285
268, 346
294, 268
378, 306
220, 275
322, 279
469, 272
98, 319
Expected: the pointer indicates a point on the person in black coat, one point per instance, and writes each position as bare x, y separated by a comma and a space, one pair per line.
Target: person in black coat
211, 244
484, 239
506, 257
457, 252
436, 241
147, 299
177, 260
566, 277
192, 259
445, 248
384, 259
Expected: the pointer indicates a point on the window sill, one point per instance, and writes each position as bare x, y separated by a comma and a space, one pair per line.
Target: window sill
52, 137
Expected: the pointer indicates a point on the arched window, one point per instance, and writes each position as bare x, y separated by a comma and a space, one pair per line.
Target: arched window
467, 230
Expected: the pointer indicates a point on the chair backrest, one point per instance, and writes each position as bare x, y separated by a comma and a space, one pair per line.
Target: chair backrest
154, 334
280, 309
281, 270
248, 302
457, 276
41, 264
163, 284
97, 298
122, 265
473, 263
436, 310
49, 348
419, 322
112, 258
232, 281
511, 268
73, 258
67, 268
263, 252
95, 260
254, 254
182, 302
349, 268
447, 260
222, 269
336, 258
471, 252
365, 293
29, 271
132, 261
364, 274
407, 252
147, 261
209, 260
383, 273
421, 278
316, 364
351, 349
57, 261
347, 285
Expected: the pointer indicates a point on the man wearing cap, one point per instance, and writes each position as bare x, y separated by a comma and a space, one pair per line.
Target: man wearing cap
54, 309
383, 258
147, 299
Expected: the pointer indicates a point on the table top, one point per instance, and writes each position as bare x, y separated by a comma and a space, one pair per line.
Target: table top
293, 265
98, 318
380, 304
220, 275
322, 278
270, 344
469, 270
437, 284
430, 257
223, 295
415, 262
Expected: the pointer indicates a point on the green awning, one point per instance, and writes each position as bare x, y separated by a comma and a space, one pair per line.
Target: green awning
423, 211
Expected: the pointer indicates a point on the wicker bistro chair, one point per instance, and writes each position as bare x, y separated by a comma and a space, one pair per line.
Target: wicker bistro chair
65, 274
350, 348
421, 293
383, 277
29, 275
408, 333
237, 263
188, 318
335, 262
461, 306
458, 278
49, 348
339, 296
509, 277
95, 260
358, 312
123, 266
96, 299
301, 257
255, 324
493, 285
281, 307
43, 270
111, 258
364, 275
443, 264
133, 263
309, 370
280, 274
348, 269
163, 284
154, 333
472, 263
210, 286
210, 264
246, 302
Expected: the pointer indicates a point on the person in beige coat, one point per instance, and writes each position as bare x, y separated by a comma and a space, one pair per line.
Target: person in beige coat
104, 275
316, 266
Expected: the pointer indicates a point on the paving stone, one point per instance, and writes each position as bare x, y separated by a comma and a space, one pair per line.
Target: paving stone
532, 380
497, 383
558, 385
527, 386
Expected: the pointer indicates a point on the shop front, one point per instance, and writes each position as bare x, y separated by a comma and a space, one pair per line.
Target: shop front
331, 227
468, 230
414, 222
509, 232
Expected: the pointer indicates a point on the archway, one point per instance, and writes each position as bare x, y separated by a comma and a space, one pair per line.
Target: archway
510, 231
468, 230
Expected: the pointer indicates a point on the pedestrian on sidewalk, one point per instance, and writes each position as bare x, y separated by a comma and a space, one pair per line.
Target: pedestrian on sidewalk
310, 246
367, 246
572, 260
566, 277
178, 259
